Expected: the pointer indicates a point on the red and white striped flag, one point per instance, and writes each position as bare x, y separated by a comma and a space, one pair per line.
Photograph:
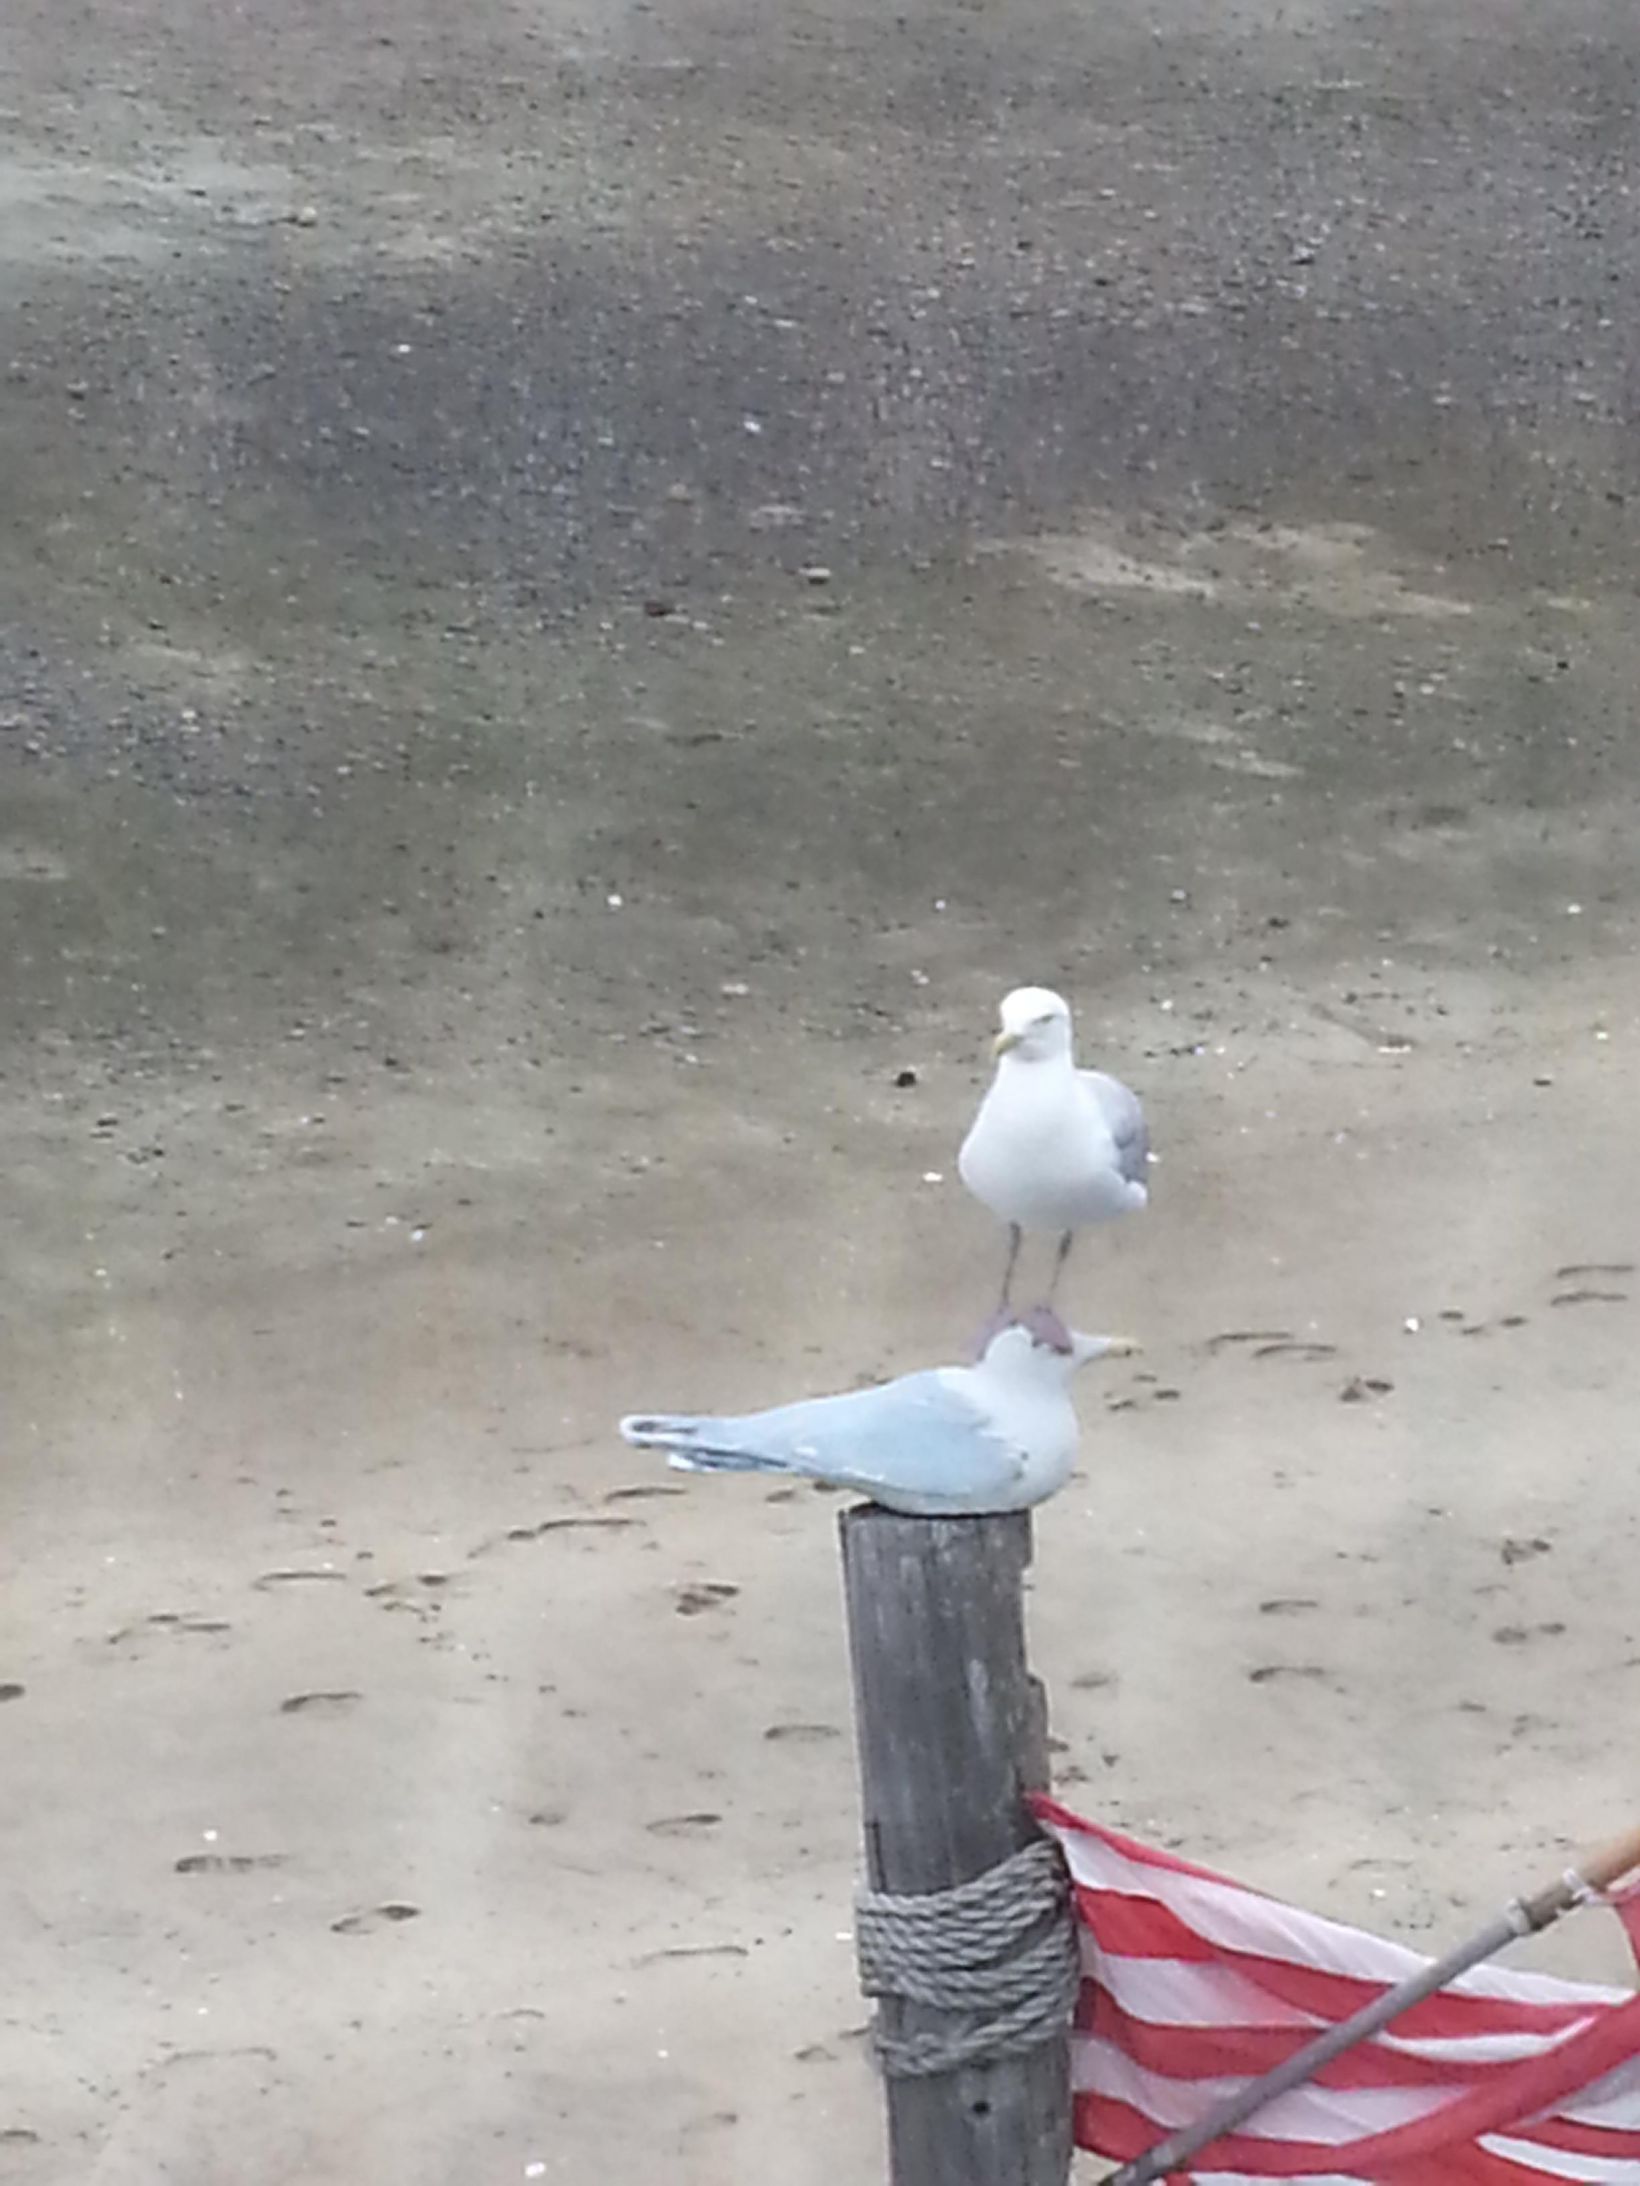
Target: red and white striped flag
1193, 1985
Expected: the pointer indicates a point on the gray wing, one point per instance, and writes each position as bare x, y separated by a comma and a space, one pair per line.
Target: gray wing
913, 1437
1124, 1119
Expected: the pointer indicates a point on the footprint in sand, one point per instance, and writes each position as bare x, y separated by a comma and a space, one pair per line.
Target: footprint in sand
410, 1594
1590, 1283
694, 1601
1269, 1343
692, 1950
227, 1863
1519, 1552
387, 1915
1461, 1324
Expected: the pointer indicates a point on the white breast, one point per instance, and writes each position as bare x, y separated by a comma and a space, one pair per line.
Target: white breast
1039, 1154
1034, 1420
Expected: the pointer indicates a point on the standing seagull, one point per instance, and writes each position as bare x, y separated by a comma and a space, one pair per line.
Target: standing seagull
1053, 1147
951, 1441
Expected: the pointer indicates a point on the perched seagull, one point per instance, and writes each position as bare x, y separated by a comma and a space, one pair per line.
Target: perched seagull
951, 1441
1053, 1147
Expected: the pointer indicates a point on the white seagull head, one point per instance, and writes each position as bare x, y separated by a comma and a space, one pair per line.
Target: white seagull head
1036, 1025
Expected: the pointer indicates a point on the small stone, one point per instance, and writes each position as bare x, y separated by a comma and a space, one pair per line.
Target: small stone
305, 216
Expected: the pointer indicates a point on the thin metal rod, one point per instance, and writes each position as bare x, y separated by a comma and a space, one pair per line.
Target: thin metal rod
1305, 2063
1521, 1917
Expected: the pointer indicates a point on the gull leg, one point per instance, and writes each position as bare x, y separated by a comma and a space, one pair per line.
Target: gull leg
1042, 1321
1016, 1238
1003, 1314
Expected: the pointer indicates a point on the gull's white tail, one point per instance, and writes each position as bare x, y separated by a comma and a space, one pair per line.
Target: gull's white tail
696, 1445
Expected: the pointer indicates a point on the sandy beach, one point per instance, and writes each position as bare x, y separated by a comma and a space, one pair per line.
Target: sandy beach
580, 593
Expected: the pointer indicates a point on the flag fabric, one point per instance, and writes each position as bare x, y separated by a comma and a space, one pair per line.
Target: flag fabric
1193, 1984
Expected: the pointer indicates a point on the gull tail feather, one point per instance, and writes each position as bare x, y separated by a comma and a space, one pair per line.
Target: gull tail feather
695, 1445
720, 1461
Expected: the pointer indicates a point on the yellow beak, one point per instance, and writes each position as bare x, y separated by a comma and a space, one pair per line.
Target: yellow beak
1004, 1043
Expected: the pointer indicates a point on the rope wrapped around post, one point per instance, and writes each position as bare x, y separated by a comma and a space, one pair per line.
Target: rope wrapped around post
999, 1953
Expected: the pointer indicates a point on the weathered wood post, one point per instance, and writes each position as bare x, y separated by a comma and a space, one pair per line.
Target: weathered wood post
952, 1732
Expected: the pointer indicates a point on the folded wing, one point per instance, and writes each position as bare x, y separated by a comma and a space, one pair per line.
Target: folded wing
1124, 1119
914, 1439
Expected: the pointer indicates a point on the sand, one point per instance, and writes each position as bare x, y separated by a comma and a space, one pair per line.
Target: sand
506, 872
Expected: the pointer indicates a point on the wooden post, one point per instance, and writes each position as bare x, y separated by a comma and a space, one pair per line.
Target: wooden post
952, 1732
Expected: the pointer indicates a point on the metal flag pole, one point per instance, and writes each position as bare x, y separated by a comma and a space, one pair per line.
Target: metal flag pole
1521, 1917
